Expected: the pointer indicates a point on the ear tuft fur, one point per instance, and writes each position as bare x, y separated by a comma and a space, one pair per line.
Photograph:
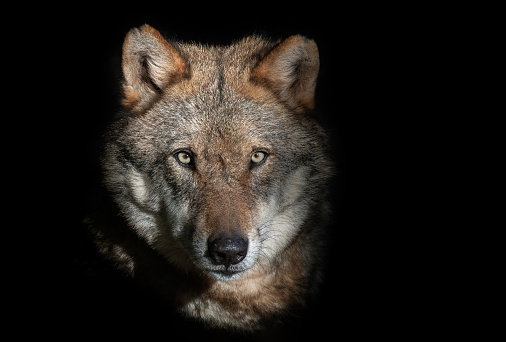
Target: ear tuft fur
150, 64
290, 71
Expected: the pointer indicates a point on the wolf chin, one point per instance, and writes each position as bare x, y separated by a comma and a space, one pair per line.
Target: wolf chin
218, 176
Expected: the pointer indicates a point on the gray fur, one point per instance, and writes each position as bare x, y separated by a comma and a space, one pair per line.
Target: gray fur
217, 104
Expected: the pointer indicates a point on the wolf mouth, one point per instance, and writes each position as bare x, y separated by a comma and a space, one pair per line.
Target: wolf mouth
225, 275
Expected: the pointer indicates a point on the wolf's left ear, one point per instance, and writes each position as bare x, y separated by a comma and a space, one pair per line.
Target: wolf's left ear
290, 71
150, 63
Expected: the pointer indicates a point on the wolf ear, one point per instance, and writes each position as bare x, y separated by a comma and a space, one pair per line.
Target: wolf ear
290, 71
150, 63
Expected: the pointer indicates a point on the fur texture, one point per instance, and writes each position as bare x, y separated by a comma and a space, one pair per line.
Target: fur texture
218, 176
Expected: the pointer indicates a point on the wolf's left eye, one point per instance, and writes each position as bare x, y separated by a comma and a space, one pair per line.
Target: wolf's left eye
258, 158
184, 158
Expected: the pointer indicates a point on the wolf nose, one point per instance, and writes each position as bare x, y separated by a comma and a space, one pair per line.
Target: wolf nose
225, 250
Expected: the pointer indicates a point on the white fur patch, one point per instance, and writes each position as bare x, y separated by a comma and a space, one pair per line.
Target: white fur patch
139, 184
282, 217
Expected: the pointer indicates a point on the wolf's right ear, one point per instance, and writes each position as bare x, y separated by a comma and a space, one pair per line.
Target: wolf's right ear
150, 63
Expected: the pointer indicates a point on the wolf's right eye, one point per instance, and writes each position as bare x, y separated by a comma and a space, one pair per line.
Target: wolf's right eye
184, 158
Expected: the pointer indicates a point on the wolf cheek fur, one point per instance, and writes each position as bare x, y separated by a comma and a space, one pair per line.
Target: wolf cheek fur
218, 173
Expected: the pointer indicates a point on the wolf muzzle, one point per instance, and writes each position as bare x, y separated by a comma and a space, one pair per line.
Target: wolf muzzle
227, 249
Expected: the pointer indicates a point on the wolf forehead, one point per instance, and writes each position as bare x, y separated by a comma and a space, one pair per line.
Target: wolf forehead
179, 125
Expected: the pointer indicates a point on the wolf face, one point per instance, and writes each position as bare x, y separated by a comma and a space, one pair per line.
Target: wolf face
216, 163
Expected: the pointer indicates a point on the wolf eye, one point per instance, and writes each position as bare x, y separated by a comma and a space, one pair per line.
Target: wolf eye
258, 158
184, 158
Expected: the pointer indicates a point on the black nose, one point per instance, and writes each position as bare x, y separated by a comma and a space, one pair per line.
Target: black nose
227, 250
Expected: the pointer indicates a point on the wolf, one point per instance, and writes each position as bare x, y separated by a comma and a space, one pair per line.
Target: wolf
218, 177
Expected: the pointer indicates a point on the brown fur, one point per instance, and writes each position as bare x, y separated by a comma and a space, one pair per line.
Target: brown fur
233, 92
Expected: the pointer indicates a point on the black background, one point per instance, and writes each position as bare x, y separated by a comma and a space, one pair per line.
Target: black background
76, 92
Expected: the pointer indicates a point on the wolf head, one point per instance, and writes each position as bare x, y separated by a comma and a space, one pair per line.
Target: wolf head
217, 163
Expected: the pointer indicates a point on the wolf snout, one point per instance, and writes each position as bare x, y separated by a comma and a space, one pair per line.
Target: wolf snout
227, 250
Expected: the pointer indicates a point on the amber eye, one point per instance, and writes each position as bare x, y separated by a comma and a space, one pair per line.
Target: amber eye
258, 157
184, 158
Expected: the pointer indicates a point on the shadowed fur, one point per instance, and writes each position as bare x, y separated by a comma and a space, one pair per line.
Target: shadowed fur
218, 177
